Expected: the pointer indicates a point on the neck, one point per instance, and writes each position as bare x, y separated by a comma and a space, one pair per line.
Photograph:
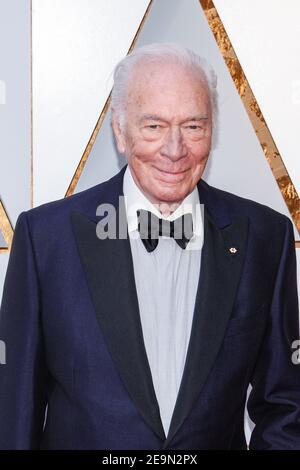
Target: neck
166, 208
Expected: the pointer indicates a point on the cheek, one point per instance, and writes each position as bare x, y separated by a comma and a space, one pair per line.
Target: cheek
145, 151
200, 151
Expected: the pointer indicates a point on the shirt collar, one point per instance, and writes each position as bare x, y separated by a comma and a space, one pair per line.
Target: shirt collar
135, 199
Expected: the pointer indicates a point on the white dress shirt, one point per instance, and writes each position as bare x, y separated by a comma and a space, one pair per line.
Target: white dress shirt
166, 282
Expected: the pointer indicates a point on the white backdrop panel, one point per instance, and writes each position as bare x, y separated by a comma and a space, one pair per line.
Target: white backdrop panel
14, 113
75, 46
266, 37
15, 106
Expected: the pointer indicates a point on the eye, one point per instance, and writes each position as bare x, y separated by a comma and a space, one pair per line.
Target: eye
193, 127
153, 126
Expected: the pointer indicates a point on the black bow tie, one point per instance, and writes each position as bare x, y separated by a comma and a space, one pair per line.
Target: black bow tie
151, 227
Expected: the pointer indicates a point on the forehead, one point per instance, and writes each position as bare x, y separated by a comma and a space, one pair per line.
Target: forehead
169, 86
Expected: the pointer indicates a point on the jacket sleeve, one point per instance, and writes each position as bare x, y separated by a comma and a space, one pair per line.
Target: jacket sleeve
274, 401
23, 378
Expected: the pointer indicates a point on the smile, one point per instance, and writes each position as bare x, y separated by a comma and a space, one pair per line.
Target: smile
170, 176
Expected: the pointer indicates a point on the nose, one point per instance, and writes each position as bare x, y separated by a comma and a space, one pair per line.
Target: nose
174, 147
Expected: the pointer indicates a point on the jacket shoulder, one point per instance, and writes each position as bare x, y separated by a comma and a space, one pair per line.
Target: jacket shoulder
267, 223
86, 201
52, 220
239, 205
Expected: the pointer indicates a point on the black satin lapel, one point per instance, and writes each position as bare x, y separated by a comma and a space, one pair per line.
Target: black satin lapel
219, 277
109, 272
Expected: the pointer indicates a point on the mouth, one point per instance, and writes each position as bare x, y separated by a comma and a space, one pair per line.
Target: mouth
171, 176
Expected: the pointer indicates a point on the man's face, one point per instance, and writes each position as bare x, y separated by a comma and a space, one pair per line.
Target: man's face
167, 133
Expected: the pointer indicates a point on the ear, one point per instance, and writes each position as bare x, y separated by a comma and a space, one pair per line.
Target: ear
118, 133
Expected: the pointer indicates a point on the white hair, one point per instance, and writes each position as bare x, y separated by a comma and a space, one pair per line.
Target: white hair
155, 52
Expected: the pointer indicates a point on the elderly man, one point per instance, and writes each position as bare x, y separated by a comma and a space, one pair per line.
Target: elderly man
150, 341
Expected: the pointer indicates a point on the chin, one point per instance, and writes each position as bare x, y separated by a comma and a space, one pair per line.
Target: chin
170, 194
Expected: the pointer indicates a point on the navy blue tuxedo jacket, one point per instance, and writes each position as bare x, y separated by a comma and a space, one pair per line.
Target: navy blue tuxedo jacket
74, 342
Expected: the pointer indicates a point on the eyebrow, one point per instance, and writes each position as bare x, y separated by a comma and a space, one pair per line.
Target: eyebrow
150, 117
154, 117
